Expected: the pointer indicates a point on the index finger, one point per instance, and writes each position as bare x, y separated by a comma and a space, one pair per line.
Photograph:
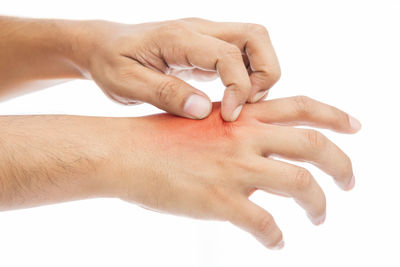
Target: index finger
265, 68
304, 111
254, 41
209, 53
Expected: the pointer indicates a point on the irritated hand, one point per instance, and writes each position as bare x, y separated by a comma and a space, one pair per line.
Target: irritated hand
209, 168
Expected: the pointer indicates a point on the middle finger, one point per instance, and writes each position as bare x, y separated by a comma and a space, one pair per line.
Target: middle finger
309, 146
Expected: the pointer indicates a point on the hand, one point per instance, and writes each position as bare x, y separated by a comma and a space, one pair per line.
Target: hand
200, 168
131, 63
208, 168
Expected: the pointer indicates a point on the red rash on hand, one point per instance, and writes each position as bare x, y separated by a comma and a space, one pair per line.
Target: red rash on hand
178, 129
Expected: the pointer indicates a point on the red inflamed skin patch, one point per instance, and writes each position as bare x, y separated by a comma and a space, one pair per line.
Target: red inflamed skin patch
211, 128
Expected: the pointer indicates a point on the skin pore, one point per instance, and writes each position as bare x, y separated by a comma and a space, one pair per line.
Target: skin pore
204, 169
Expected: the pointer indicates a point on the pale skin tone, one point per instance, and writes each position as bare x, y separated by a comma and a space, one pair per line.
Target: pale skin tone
204, 169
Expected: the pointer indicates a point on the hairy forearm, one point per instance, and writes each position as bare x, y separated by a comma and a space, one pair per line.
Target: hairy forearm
37, 53
48, 159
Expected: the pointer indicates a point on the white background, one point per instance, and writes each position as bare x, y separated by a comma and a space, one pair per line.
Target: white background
345, 53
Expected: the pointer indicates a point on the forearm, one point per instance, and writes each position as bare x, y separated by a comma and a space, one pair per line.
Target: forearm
36, 53
48, 159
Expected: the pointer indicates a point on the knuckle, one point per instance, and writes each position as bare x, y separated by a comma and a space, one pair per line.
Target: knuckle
167, 91
254, 28
264, 224
175, 28
193, 19
315, 140
269, 76
303, 105
302, 179
274, 75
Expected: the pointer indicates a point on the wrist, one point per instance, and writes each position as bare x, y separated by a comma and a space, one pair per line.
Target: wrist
131, 159
83, 39
58, 44
74, 44
122, 144
106, 148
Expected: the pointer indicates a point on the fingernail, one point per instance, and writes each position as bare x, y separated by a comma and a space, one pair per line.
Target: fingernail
323, 218
354, 123
280, 245
320, 220
236, 112
258, 96
351, 183
197, 106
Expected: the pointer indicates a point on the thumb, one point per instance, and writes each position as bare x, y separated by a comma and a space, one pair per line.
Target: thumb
173, 95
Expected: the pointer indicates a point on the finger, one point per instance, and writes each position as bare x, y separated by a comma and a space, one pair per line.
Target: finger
302, 110
209, 53
285, 179
163, 91
227, 60
309, 146
257, 221
254, 41
265, 69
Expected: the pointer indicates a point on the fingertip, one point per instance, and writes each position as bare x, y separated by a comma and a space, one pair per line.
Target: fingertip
317, 220
197, 107
232, 116
278, 246
258, 96
272, 238
354, 123
346, 186
236, 112
351, 184
232, 104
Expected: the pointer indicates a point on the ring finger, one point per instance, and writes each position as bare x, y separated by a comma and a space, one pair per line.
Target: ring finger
286, 179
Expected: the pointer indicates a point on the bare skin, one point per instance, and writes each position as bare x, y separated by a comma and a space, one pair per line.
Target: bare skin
198, 168
141, 63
